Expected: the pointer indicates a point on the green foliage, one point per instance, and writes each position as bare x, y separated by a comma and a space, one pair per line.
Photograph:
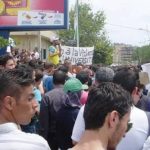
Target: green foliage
142, 54
3, 42
103, 51
91, 33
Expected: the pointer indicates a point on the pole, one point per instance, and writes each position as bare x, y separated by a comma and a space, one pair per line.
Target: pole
77, 23
39, 45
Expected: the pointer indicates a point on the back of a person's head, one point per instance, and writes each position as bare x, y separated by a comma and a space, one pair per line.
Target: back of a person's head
48, 65
24, 67
33, 63
104, 74
67, 62
38, 75
104, 99
64, 68
59, 77
83, 77
127, 78
94, 68
12, 81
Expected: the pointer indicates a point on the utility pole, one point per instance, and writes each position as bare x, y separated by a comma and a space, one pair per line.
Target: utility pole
76, 23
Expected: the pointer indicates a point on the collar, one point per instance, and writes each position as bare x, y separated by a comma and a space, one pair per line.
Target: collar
8, 127
58, 86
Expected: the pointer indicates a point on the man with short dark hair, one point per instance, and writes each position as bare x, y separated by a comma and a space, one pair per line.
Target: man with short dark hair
106, 115
103, 74
17, 107
134, 140
8, 62
50, 105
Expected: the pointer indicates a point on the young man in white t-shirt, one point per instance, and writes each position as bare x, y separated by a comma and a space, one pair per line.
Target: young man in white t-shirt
135, 138
106, 115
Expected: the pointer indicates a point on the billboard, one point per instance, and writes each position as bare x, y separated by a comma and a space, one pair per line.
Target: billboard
21, 15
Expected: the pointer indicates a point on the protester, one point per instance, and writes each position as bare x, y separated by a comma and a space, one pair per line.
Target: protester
65, 69
54, 51
68, 64
107, 115
47, 76
38, 80
17, 107
128, 78
103, 74
36, 76
68, 112
36, 54
50, 105
84, 79
134, 139
8, 62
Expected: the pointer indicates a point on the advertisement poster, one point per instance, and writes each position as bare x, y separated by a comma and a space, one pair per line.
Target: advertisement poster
30, 13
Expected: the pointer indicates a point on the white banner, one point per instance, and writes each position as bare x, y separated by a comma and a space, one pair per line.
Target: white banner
76, 55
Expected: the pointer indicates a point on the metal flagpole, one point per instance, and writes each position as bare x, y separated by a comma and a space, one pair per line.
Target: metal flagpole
76, 23
77, 9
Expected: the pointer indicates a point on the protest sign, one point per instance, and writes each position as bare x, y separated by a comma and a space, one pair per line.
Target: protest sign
76, 55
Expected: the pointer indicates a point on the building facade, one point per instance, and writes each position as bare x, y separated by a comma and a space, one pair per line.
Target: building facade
122, 54
30, 40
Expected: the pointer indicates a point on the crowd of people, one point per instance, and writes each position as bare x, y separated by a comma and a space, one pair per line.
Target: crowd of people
45, 106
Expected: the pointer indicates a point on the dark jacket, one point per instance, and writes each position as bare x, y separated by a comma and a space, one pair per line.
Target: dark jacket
65, 120
50, 105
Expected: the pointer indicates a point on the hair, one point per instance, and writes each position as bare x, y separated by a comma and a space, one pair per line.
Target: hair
1, 60
83, 77
12, 81
127, 78
94, 68
5, 59
63, 68
104, 74
59, 77
38, 75
67, 62
24, 67
33, 63
104, 99
48, 65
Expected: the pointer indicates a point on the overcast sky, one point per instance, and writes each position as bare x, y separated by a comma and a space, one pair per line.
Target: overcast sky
128, 21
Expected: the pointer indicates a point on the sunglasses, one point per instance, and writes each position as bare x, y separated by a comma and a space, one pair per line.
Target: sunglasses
129, 126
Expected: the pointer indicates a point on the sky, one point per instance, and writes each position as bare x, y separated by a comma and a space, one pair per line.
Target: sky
127, 21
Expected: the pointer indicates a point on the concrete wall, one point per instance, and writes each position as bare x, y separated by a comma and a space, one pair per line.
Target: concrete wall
32, 39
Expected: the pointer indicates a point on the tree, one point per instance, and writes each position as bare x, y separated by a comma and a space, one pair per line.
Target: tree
103, 51
91, 33
3, 42
142, 54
